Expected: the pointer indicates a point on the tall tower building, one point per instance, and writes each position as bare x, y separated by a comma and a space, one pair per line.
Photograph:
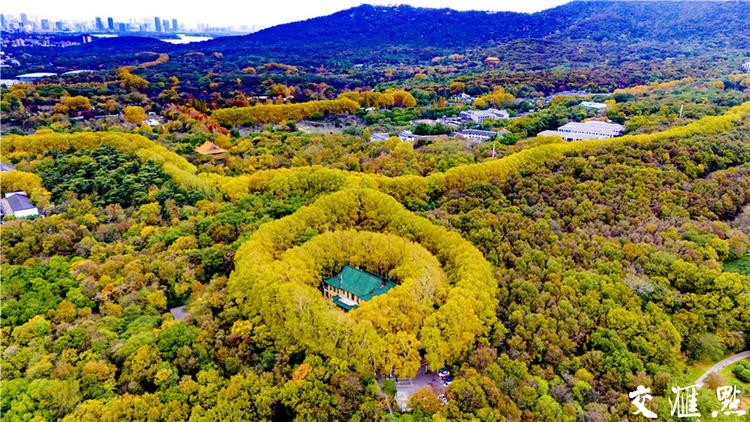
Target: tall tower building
157, 24
111, 24
175, 28
3, 23
165, 24
99, 24
24, 20
45, 25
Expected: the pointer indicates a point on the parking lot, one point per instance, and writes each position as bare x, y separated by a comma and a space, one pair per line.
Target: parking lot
424, 378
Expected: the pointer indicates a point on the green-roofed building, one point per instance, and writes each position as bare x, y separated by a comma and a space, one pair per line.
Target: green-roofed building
353, 286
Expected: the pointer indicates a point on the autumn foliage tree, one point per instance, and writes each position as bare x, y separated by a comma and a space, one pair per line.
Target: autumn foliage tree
134, 114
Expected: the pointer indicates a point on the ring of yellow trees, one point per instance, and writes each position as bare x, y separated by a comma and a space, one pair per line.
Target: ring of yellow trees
445, 302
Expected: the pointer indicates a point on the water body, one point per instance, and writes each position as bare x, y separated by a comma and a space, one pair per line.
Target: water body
184, 39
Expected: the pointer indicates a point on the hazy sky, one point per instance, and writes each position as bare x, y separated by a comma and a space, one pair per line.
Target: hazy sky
232, 12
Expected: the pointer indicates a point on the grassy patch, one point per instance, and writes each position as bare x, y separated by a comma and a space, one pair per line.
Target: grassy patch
730, 379
739, 266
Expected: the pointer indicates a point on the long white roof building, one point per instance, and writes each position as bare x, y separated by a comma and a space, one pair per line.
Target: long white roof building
593, 129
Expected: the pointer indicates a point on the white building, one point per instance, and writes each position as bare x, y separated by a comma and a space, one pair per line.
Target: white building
478, 135
449, 121
478, 116
34, 77
597, 106
592, 129
746, 67
379, 136
425, 121
17, 204
9, 82
407, 136
75, 72
464, 97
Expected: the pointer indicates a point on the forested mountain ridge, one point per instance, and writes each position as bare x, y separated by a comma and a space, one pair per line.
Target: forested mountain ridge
392, 34
392, 26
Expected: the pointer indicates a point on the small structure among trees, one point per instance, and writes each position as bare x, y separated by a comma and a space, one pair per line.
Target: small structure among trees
210, 148
352, 286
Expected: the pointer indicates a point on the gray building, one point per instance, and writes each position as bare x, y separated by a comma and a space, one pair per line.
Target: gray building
17, 204
157, 24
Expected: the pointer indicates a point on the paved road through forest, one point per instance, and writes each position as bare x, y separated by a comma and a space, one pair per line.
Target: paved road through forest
721, 365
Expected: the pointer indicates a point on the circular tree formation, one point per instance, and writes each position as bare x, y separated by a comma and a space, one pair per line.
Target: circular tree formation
445, 301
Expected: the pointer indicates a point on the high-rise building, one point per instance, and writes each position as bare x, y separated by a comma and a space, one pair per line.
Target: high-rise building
165, 23
123, 27
3, 23
59, 25
99, 24
24, 20
157, 24
174, 25
110, 24
45, 25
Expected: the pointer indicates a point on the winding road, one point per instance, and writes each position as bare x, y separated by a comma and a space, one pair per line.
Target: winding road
721, 365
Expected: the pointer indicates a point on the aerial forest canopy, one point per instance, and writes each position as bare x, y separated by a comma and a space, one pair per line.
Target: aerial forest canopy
176, 218
526, 272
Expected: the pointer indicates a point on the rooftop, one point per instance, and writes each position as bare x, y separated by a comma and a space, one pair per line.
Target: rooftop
36, 75
18, 201
593, 126
480, 132
591, 104
75, 72
361, 283
209, 148
178, 313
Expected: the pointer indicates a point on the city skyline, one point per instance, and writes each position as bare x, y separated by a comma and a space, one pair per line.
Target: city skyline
267, 14
108, 24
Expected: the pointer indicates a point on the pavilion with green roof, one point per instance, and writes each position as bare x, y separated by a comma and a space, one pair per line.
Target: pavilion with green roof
353, 286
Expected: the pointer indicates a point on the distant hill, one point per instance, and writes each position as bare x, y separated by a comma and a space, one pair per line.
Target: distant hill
368, 31
403, 33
